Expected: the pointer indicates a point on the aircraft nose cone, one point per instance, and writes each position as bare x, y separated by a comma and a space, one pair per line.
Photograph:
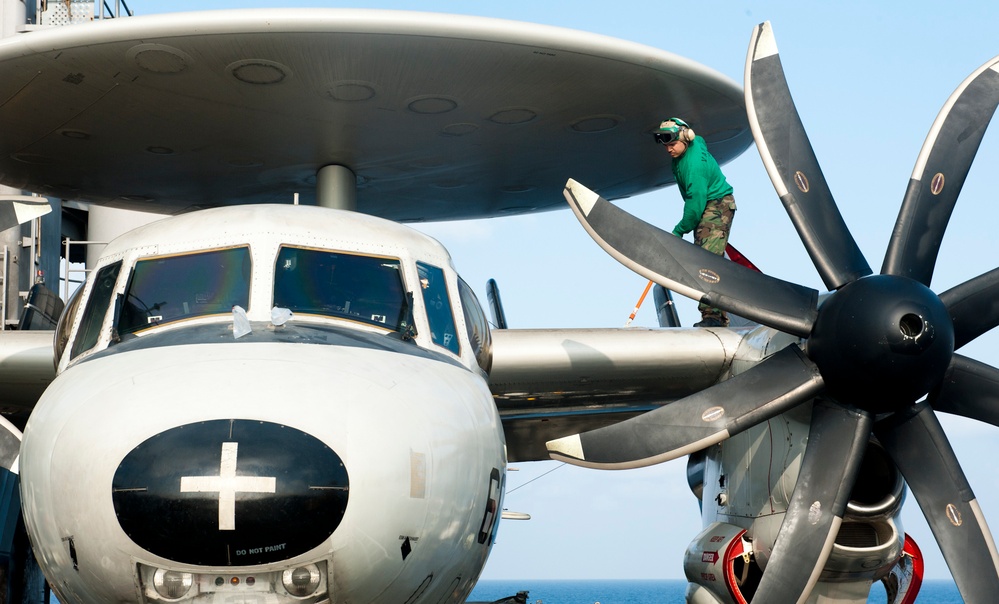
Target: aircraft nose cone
231, 492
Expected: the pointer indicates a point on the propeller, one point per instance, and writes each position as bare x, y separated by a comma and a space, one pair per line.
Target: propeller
665, 258
819, 500
940, 171
782, 381
788, 157
18, 209
873, 350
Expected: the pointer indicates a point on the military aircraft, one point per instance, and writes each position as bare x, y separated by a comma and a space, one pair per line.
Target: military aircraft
275, 472
218, 430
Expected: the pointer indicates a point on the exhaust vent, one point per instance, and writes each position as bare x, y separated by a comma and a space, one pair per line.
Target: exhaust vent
863, 535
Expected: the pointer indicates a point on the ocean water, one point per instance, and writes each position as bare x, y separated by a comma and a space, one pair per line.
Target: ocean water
653, 592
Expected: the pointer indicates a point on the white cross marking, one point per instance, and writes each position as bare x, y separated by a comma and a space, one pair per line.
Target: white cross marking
227, 484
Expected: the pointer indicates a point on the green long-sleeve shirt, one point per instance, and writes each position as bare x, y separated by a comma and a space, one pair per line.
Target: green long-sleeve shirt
699, 179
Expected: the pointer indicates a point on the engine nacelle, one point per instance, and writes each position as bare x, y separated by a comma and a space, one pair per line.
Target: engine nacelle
871, 538
868, 547
865, 550
879, 490
718, 561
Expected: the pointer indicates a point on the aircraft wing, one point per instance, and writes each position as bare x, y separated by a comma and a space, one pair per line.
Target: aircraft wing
438, 116
550, 383
26, 369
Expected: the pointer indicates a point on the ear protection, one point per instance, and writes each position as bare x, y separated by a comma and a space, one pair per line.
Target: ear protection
674, 129
686, 132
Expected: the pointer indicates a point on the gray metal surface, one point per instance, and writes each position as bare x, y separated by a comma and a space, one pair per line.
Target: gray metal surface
550, 383
776, 385
26, 368
438, 116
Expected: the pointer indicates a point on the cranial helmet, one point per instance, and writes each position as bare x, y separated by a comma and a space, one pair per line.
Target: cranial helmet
673, 129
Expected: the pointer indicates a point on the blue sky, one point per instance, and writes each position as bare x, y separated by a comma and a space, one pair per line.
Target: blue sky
868, 79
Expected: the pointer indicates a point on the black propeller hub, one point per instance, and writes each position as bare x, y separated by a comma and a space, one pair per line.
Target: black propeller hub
882, 342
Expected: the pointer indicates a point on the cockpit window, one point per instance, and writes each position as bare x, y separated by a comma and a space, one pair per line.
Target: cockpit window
338, 284
439, 314
171, 288
65, 324
96, 309
476, 325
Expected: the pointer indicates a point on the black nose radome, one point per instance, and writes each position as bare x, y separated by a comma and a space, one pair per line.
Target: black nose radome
231, 492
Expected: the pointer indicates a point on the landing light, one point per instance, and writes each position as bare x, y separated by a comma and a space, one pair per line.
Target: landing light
302, 584
171, 584
302, 581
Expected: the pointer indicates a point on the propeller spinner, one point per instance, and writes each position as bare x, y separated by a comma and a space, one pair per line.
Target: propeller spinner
872, 350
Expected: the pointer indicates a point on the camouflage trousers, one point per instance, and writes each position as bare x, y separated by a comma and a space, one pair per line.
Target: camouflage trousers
712, 234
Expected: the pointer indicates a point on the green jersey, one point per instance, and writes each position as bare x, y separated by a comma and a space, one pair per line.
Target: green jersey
699, 179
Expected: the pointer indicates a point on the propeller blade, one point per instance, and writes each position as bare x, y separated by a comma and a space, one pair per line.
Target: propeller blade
691, 271
941, 168
18, 209
969, 389
973, 306
778, 383
837, 440
790, 161
916, 442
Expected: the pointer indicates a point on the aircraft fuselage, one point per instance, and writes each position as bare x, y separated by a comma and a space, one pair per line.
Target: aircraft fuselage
341, 455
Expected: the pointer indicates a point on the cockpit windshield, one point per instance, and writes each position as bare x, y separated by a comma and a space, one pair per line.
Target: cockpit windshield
338, 284
170, 288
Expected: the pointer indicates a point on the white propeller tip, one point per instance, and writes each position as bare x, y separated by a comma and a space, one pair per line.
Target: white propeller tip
578, 195
566, 447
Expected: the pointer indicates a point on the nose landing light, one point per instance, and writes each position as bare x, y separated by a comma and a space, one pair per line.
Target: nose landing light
304, 584
171, 584
230, 493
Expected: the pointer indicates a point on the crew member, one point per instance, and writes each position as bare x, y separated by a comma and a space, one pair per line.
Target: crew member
708, 204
